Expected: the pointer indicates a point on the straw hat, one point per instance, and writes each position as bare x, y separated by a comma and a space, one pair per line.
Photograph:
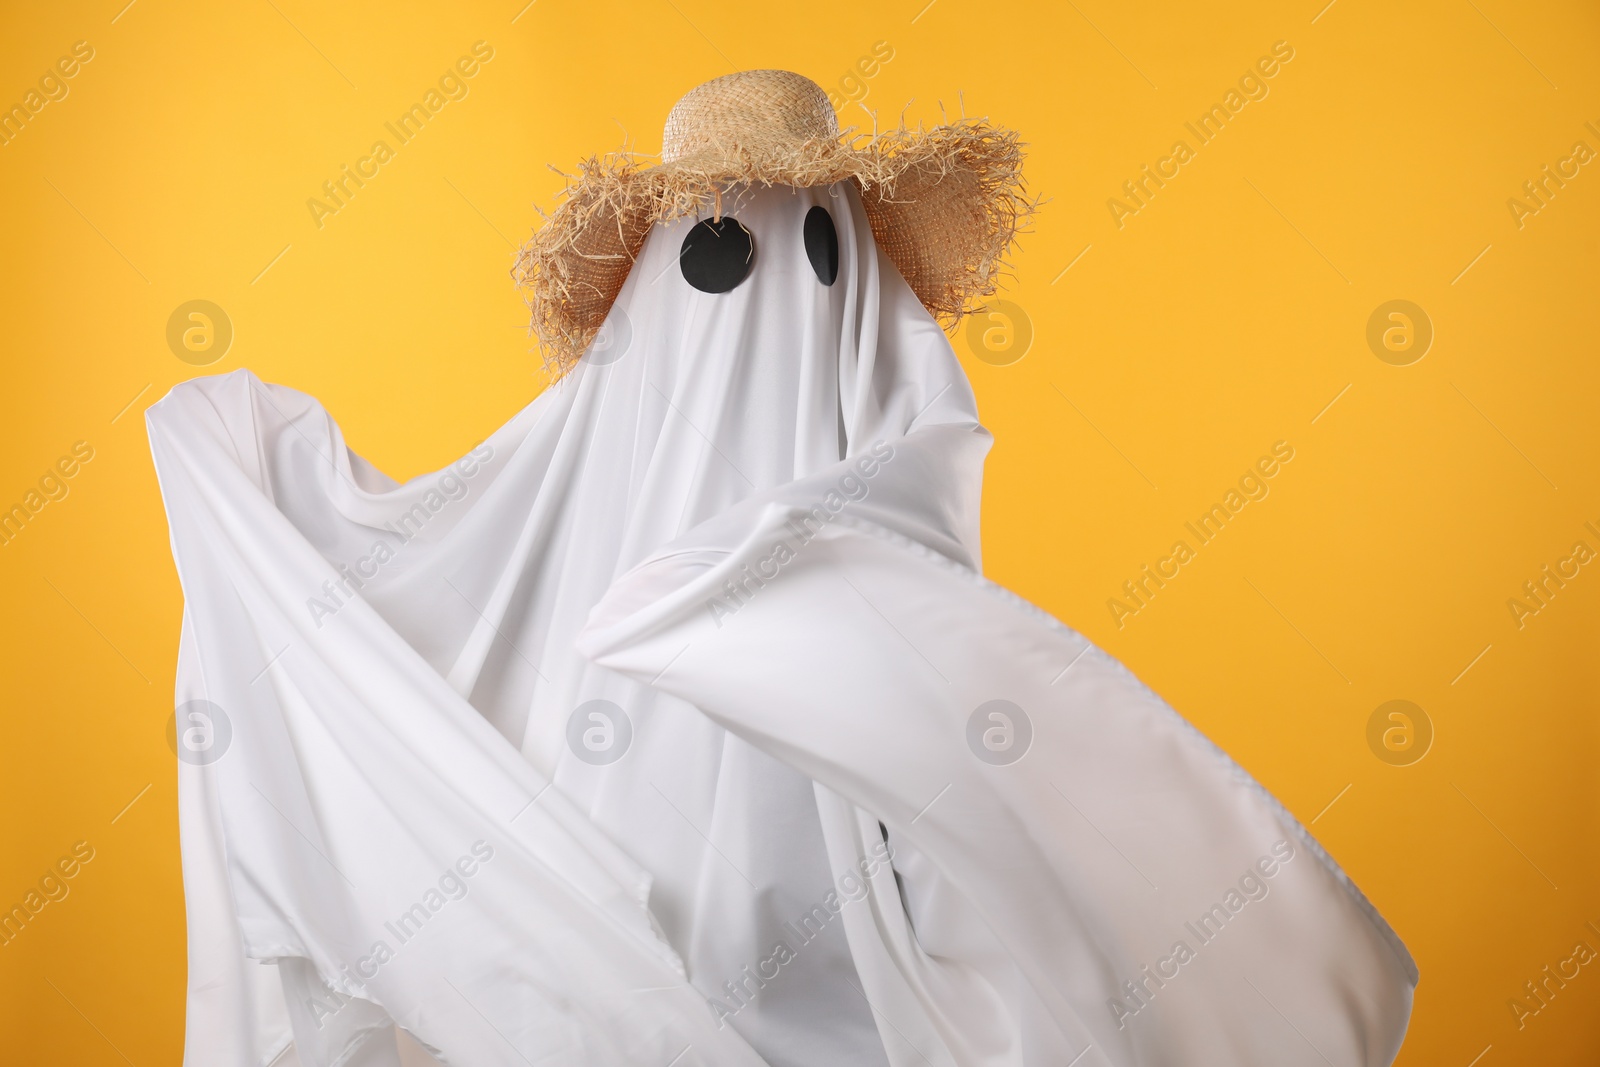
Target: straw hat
945, 204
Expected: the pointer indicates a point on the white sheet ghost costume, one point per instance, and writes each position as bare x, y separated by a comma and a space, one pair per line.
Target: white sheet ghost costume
674, 724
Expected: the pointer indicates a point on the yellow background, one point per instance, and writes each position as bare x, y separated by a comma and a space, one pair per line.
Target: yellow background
1223, 317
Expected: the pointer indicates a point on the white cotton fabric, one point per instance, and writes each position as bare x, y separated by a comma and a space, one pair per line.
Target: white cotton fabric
400, 828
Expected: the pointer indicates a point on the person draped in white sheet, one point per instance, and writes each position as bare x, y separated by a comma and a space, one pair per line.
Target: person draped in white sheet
614, 741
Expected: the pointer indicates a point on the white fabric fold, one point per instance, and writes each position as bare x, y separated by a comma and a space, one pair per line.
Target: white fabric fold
355, 780
1092, 852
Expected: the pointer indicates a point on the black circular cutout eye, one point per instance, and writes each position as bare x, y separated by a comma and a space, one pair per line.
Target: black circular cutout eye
822, 244
716, 256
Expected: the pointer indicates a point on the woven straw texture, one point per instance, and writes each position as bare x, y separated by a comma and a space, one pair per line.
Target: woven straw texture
945, 204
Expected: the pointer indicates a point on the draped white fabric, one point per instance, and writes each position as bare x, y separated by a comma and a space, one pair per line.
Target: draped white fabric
674, 724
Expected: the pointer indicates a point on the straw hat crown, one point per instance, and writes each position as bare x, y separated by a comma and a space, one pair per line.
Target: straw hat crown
945, 204
752, 109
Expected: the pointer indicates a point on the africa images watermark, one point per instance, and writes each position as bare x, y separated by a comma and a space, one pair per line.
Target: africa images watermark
52, 887
1252, 887
454, 883
852, 84
52, 486
1538, 592
1541, 190
1540, 991
52, 87
743, 989
452, 485
339, 191
740, 590
1252, 85
1151, 580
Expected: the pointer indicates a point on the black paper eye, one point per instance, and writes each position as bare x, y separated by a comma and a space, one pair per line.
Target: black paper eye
716, 256
822, 244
